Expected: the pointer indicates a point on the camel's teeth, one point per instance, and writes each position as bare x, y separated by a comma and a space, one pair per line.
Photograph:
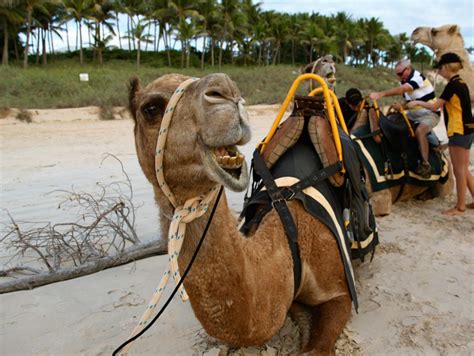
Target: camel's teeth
239, 160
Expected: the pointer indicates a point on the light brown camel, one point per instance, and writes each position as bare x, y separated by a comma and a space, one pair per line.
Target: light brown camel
382, 200
240, 288
325, 67
447, 38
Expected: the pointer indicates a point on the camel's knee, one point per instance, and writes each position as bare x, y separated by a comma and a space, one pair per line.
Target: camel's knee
381, 203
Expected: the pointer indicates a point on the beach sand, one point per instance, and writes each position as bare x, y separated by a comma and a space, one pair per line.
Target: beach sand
416, 296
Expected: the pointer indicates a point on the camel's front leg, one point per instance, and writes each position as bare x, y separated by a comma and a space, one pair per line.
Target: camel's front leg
328, 321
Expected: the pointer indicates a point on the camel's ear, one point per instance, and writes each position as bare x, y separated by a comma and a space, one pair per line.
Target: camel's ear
453, 29
133, 88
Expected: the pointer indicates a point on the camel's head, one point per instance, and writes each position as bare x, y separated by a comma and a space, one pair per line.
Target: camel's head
439, 39
325, 67
207, 125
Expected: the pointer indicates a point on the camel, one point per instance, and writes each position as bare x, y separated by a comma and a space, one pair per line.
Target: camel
325, 67
443, 39
382, 200
240, 288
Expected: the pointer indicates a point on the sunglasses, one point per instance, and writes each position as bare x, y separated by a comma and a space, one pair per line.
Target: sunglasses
401, 72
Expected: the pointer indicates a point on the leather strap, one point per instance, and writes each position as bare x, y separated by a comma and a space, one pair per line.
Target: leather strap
279, 203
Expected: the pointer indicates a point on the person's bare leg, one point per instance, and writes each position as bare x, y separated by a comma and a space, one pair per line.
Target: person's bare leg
457, 155
421, 132
469, 180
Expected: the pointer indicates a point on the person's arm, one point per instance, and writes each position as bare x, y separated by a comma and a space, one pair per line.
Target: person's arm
433, 106
391, 92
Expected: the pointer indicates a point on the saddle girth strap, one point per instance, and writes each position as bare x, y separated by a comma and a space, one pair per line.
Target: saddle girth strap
279, 203
315, 177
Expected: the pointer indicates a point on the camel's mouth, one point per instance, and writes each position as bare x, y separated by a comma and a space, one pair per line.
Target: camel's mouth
227, 165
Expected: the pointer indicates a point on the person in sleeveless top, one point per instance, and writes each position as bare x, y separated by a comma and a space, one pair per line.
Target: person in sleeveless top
414, 86
456, 104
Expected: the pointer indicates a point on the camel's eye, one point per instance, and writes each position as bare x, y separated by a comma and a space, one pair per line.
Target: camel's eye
214, 93
154, 108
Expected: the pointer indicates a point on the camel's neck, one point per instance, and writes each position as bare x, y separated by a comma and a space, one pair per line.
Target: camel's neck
233, 276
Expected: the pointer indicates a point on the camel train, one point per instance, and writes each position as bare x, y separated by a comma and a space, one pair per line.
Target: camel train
388, 154
307, 216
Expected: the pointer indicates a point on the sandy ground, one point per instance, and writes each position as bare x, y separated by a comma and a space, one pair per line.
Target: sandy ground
416, 297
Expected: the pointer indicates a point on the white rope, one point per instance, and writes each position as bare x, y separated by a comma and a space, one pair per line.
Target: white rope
191, 210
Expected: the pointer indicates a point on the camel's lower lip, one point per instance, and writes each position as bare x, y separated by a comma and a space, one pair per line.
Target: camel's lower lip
227, 165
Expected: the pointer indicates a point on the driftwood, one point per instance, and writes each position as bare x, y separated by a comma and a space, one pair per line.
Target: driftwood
102, 236
134, 253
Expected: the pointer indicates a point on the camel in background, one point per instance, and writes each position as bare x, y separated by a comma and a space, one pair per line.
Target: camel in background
443, 39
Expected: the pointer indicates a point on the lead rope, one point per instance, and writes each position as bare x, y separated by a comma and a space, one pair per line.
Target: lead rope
191, 210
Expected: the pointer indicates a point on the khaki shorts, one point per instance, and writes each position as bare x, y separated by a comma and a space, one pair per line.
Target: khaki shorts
425, 117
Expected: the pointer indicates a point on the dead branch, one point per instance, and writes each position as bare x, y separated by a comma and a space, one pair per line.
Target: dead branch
101, 237
132, 254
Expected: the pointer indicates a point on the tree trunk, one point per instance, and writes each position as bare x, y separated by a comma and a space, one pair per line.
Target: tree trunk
132, 254
5, 43
203, 51
188, 53
212, 52
15, 48
220, 54
138, 54
146, 43
81, 54
129, 31
43, 44
27, 43
67, 38
38, 42
118, 29
52, 42
182, 53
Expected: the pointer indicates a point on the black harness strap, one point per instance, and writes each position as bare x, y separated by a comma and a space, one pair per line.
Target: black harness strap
315, 177
279, 203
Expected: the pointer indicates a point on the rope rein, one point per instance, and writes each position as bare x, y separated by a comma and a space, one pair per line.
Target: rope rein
189, 211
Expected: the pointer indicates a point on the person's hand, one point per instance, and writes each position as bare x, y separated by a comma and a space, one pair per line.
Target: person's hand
376, 95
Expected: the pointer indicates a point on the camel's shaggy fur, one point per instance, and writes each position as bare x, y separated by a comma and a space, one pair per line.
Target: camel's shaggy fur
443, 39
240, 289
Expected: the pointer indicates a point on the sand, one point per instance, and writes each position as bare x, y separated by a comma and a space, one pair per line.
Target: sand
416, 297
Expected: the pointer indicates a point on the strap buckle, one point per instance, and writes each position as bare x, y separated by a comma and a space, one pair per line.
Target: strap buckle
288, 193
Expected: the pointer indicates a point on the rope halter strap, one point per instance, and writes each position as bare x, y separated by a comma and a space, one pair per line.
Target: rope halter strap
189, 211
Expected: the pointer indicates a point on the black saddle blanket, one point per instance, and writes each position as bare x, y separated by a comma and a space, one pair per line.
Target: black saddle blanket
386, 166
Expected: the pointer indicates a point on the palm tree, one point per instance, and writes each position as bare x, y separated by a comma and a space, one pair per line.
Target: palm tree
209, 11
79, 10
38, 5
183, 10
137, 33
10, 17
311, 35
343, 29
374, 29
101, 12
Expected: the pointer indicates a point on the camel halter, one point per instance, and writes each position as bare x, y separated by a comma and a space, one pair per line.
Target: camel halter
191, 210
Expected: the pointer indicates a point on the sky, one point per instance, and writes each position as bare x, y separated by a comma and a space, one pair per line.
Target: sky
398, 16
